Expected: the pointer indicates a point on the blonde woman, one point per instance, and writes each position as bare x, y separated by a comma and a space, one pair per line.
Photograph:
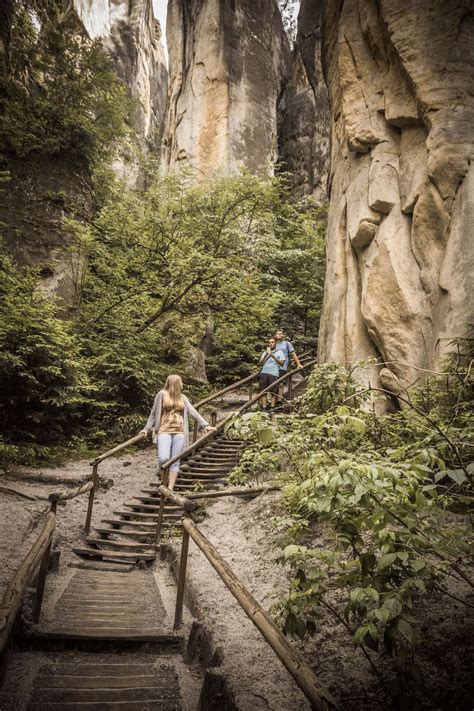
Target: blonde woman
169, 421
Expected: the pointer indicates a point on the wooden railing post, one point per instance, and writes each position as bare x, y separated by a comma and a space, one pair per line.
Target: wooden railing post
41, 580
95, 481
213, 418
183, 562
195, 430
290, 389
250, 391
161, 510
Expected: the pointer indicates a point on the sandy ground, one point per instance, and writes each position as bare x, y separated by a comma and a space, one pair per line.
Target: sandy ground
242, 532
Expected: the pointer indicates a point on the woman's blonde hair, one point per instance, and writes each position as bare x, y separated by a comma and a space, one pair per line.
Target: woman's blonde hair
172, 397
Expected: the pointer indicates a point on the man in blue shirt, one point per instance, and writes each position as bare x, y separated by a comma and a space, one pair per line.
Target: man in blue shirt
272, 359
288, 350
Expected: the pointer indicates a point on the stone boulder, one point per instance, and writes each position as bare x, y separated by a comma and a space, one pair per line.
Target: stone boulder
401, 222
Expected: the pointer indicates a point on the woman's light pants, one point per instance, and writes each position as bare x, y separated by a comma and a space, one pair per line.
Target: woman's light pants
169, 445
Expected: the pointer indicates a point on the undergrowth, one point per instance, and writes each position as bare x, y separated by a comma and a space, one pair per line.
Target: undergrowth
381, 491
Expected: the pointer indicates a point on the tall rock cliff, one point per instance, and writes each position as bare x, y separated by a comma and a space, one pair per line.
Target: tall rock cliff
132, 37
303, 112
44, 189
227, 64
401, 223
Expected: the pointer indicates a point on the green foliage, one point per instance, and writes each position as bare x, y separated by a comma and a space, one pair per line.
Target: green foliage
166, 263
158, 267
298, 268
60, 92
381, 487
43, 380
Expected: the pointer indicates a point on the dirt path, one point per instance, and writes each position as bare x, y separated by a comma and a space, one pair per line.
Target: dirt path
242, 532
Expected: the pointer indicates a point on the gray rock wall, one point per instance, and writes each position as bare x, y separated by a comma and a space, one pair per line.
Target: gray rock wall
303, 115
401, 222
227, 64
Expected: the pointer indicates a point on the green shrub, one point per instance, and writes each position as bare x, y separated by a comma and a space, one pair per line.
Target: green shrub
60, 92
44, 384
381, 487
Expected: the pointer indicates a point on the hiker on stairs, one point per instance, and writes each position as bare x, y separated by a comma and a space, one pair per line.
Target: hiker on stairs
169, 422
271, 359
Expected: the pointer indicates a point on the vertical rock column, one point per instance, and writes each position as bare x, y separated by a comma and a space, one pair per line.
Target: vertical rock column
303, 116
135, 44
399, 247
227, 64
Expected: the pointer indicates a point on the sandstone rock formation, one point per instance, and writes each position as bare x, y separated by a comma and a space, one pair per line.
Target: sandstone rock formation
303, 113
401, 224
132, 36
227, 63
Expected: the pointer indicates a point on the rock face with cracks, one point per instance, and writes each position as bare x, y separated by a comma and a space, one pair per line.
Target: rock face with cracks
401, 222
303, 112
132, 37
227, 65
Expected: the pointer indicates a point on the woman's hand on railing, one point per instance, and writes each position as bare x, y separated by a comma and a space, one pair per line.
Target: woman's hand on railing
143, 432
210, 428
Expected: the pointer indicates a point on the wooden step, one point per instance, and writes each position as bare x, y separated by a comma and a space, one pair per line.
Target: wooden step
144, 525
120, 532
80, 696
141, 507
195, 473
100, 542
198, 467
211, 459
115, 555
136, 515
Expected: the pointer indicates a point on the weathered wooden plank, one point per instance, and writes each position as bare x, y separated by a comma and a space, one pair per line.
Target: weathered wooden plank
131, 634
74, 681
79, 668
168, 705
11, 600
105, 543
116, 555
130, 694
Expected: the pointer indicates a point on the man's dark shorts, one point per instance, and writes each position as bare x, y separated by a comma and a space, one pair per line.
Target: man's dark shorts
282, 372
267, 379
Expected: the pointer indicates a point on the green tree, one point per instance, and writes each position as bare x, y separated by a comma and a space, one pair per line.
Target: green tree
59, 92
44, 384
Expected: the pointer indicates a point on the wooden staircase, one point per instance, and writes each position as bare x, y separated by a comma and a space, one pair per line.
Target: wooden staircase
128, 535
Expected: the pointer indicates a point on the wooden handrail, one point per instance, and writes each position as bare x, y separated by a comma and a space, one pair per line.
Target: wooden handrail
118, 448
71, 494
229, 388
210, 435
208, 399
302, 673
36, 556
238, 384
181, 501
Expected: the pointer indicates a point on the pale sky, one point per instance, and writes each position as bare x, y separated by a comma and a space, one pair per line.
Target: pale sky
159, 8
